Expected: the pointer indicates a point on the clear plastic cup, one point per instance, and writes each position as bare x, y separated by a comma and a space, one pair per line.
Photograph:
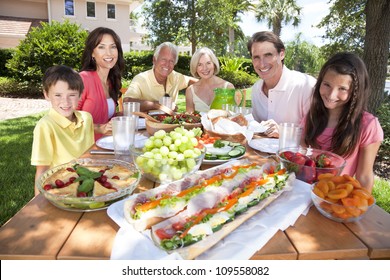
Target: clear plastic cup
130, 107
124, 129
166, 101
289, 135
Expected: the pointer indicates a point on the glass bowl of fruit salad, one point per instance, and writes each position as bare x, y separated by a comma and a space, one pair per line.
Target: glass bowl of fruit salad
341, 198
87, 184
309, 163
169, 156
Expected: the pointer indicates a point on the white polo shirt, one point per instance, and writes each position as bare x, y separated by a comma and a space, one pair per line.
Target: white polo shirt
289, 101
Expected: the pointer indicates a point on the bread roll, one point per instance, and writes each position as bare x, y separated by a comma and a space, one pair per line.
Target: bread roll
240, 119
214, 113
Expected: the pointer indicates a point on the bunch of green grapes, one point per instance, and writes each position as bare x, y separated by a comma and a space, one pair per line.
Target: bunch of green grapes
168, 156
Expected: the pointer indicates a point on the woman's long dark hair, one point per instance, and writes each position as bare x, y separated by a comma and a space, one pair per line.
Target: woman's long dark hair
347, 132
89, 64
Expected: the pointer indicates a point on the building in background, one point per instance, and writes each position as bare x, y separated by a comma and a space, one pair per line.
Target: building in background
17, 17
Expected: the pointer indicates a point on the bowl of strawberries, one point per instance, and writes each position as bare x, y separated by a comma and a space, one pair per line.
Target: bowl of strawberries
309, 163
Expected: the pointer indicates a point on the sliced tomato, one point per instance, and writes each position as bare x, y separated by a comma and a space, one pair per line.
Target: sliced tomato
270, 170
164, 234
178, 226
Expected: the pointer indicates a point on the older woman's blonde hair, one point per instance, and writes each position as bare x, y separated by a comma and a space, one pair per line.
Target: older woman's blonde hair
196, 57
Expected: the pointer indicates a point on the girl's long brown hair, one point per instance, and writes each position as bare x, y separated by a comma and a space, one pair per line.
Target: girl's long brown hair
347, 132
88, 64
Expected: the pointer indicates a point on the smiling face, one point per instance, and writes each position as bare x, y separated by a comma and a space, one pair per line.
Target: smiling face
164, 64
105, 53
267, 62
205, 67
335, 90
63, 100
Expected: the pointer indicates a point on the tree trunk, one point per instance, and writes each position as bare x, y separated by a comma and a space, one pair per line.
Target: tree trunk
376, 48
231, 40
277, 27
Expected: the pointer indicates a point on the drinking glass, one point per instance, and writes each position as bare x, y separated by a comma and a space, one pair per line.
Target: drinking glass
243, 110
124, 129
130, 107
228, 107
289, 135
166, 101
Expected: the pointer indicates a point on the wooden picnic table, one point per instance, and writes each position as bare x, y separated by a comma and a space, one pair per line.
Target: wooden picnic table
42, 231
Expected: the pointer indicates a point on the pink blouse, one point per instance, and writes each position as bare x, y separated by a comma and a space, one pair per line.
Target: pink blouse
371, 133
93, 99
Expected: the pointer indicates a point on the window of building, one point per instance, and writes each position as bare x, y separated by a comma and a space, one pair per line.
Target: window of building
91, 9
69, 7
111, 11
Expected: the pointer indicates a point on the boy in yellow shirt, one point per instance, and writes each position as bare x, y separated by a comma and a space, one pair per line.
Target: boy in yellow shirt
63, 134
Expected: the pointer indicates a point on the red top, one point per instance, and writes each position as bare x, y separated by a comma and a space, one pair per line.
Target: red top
93, 99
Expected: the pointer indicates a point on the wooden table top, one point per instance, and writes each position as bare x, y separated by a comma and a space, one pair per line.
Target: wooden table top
42, 231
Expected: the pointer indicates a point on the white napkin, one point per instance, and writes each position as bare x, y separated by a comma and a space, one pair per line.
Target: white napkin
141, 123
256, 127
226, 126
242, 243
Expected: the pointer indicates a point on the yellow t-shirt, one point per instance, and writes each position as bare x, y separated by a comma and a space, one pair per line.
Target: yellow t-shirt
57, 140
144, 86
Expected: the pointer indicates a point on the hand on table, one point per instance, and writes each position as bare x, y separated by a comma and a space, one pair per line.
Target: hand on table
103, 128
272, 128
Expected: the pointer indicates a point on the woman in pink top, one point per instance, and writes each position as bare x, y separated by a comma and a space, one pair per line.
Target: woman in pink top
102, 67
338, 121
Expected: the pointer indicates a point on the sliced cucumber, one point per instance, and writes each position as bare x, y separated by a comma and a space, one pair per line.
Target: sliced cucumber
225, 142
242, 210
253, 203
216, 228
234, 144
210, 157
240, 147
224, 157
235, 153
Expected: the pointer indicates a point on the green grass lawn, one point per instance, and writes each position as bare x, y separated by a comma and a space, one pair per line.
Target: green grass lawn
17, 179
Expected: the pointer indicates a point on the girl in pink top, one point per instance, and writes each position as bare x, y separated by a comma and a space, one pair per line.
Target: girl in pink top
102, 67
338, 121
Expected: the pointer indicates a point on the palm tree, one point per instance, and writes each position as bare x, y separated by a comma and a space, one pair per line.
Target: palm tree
277, 12
238, 6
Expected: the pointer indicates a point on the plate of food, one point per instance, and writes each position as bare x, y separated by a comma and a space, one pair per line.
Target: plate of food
228, 194
222, 151
266, 145
86, 184
108, 141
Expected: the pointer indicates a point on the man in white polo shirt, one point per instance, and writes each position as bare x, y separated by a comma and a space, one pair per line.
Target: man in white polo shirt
281, 95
